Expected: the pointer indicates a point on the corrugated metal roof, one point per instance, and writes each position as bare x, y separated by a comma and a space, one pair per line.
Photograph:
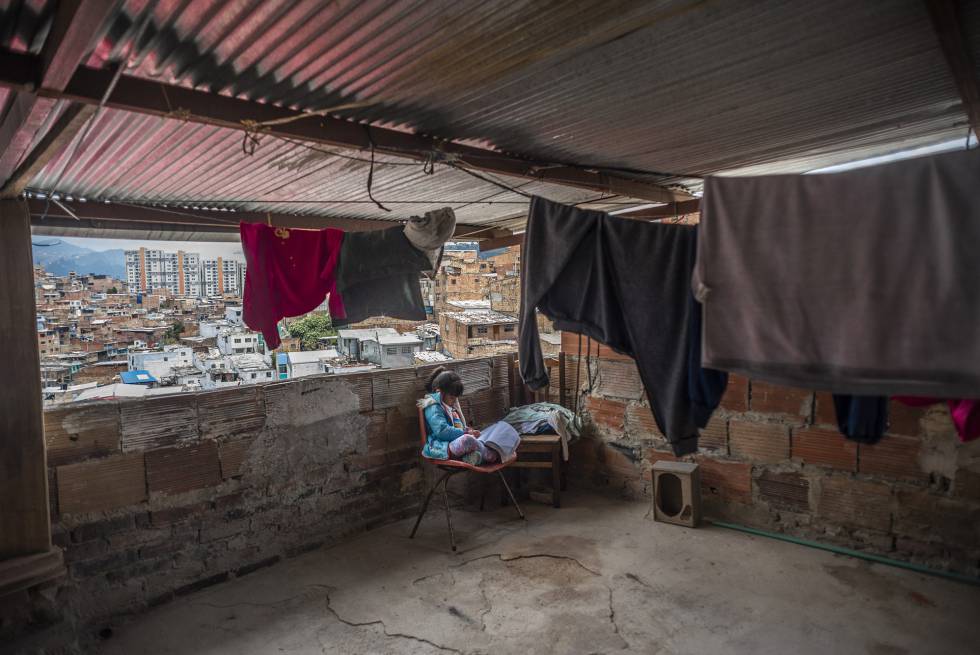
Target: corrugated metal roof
681, 86
148, 159
137, 377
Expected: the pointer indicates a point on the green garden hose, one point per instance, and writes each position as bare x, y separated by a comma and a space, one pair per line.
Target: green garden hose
878, 559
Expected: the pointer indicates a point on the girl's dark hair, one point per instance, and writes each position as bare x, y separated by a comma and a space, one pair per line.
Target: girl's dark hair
445, 381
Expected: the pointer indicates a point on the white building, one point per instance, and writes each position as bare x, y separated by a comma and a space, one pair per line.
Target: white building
221, 276
211, 361
252, 369
239, 342
183, 273
148, 270
308, 362
216, 370
429, 334
349, 341
391, 351
161, 363
233, 314
189, 377
211, 329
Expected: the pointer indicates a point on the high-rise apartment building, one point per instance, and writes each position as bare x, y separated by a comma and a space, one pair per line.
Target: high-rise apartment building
183, 273
222, 276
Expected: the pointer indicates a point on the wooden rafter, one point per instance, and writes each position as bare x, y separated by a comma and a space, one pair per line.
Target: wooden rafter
75, 25
68, 215
133, 94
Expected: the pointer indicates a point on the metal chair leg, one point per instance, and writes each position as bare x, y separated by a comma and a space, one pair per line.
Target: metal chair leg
425, 505
449, 518
511, 494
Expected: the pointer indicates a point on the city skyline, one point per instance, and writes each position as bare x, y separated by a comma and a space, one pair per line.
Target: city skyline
183, 272
210, 249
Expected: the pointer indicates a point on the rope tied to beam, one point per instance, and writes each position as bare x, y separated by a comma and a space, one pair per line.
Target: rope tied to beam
253, 128
250, 138
180, 113
370, 180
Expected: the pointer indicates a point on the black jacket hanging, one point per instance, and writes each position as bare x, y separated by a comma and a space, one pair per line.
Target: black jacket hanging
627, 284
378, 274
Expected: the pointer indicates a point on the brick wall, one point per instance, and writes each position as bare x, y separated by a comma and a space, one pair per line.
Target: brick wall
772, 458
156, 498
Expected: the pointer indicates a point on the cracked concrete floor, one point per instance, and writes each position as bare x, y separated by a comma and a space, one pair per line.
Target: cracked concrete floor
593, 577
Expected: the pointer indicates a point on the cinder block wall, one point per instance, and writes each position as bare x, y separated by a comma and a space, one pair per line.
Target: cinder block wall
153, 499
772, 458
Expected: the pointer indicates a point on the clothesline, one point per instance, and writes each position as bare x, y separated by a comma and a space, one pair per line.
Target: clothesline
254, 131
861, 325
442, 202
216, 221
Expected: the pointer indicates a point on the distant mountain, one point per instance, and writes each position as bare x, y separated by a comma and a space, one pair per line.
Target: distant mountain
60, 258
53, 247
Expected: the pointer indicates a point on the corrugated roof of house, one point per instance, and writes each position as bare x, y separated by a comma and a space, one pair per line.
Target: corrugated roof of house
139, 376
366, 333
480, 317
310, 356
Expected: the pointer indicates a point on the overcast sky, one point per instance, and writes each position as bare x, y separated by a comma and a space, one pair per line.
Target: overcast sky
210, 249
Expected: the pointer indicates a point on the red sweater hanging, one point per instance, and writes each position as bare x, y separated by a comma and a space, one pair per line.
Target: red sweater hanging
290, 272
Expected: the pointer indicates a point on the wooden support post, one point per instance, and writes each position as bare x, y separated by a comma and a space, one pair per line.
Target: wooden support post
561, 380
25, 526
513, 379
556, 476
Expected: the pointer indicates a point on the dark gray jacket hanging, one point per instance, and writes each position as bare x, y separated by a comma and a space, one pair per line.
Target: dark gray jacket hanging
860, 282
378, 275
627, 284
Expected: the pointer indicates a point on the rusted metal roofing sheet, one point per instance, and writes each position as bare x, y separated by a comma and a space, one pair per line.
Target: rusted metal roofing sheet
685, 87
148, 159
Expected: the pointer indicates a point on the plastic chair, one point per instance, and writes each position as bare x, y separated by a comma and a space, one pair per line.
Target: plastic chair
451, 467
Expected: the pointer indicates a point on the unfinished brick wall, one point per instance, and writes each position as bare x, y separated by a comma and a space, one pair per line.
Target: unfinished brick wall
772, 458
157, 498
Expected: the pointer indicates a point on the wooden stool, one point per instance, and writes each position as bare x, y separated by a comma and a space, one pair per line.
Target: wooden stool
530, 456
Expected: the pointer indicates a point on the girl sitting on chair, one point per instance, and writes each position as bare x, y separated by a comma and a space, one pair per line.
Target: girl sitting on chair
446, 434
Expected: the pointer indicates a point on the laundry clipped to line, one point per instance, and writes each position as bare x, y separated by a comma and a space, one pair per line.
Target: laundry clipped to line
861, 283
290, 272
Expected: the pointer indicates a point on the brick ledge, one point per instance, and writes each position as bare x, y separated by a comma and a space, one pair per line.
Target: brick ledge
24, 572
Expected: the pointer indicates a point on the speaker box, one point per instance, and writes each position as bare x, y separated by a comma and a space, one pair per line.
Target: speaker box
677, 493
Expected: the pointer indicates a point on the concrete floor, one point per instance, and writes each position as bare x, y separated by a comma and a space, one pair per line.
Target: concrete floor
593, 577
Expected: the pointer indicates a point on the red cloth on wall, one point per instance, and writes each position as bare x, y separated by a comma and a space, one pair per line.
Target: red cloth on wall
290, 272
965, 413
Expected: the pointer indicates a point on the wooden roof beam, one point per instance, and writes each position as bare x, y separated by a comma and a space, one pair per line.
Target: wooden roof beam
68, 215
137, 95
75, 25
650, 213
67, 125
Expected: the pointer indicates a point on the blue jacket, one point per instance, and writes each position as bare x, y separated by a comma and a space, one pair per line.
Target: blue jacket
439, 430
